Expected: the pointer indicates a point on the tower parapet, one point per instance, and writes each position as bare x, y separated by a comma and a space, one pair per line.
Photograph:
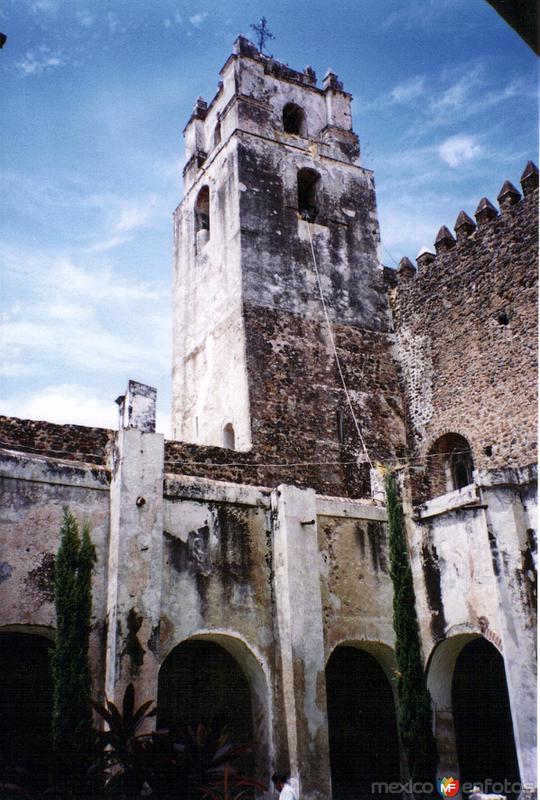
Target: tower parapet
486, 214
252, 96
466, 330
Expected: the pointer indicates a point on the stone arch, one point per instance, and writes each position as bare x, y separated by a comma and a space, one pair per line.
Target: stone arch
26, 699
39, 630
458, 685
252, 667
442, 430
362, 717
449, 463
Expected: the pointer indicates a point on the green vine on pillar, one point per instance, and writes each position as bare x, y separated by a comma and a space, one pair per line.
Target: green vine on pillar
415, 717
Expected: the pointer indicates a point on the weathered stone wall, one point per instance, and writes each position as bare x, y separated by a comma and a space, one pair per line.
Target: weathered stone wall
467, 338
33, 493
297, 399
356, 588
74, 442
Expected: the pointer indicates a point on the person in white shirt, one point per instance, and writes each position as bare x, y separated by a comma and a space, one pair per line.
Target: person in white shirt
281, 782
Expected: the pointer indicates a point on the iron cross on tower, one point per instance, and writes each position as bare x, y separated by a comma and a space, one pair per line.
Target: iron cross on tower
263, 33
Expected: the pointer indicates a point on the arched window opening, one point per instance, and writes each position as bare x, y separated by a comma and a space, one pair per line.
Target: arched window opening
202, 212
308, 184
482, 717
293, 119
461, 469
228, 436
26, 698
450, 464
217, 133
362, 724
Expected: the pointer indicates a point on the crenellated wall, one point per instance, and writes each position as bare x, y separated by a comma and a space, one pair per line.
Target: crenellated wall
466, 333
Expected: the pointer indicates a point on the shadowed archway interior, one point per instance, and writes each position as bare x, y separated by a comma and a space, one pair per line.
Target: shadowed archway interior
200, 682
482, 718
25, 703
362, 723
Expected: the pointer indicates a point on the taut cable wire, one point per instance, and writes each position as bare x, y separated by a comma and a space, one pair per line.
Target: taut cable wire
331, 334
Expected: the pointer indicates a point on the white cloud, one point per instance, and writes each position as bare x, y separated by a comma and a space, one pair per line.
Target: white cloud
429, 15
72, 404
168, 22
104, 245
47, 6
73, 317
113, 23
408, 90
137, 214
36, 62
457, 149
65, 403
459, 93
85, 19
198, 19
404, 226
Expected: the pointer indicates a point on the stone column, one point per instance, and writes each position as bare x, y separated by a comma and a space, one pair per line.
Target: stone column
301, 639
135, 551
507, 530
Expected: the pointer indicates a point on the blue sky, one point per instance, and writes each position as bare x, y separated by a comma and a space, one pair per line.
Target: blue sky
94, 97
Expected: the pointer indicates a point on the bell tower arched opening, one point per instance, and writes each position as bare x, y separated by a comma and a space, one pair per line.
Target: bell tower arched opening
308, 184
294, 119
202, 215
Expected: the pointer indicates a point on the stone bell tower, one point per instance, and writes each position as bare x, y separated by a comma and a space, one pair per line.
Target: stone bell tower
273, 162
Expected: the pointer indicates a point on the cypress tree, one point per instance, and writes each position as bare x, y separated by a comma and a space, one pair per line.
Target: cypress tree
72, 714
414, 699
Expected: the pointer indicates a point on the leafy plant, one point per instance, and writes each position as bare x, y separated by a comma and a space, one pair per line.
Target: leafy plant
129, 759
210, 765
414, 699
72, 715
204, 764
230, 785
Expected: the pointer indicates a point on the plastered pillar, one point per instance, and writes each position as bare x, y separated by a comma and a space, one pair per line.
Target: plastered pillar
507, 526
301, 640
135, 552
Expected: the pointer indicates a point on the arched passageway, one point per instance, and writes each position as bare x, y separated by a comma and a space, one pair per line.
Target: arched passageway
25, 703
200, 682
217, 680
362, 724
482, 717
